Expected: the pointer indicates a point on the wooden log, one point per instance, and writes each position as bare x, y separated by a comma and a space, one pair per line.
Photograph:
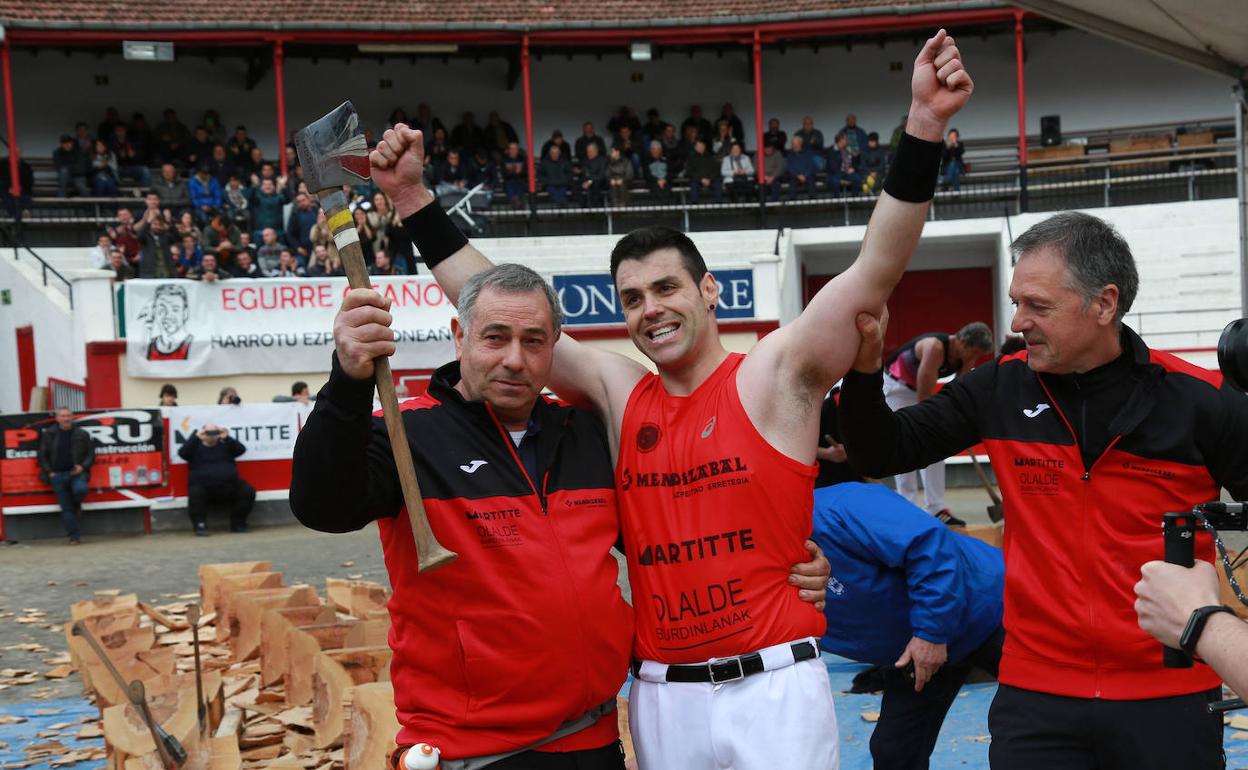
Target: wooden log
100, 625
368, 633
225, 754
210, 576
337, 671
302, 645
120, 643
248, 607
232, 584
371, 727
274, 623
162, 618
356, 597
127, 734
144, 666
103, 604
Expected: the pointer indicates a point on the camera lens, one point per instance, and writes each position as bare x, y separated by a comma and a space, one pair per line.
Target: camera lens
235, 400
1233, 354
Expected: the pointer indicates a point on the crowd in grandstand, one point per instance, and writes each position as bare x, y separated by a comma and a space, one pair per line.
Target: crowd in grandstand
216, 208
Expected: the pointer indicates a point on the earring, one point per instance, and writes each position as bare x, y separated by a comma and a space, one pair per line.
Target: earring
711, 308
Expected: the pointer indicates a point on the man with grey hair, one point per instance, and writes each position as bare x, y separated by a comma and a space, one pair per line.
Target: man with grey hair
515, 653
1094, 436
911, 373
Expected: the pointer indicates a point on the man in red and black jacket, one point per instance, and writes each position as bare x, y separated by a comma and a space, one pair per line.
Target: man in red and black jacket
1093, 436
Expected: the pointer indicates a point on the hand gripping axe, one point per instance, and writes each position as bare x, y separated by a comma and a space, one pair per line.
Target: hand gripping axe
333, 153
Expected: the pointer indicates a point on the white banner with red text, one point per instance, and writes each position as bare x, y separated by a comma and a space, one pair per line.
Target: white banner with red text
268, 431
185, 328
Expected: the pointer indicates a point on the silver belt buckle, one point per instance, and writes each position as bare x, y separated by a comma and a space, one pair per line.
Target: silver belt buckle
725, 670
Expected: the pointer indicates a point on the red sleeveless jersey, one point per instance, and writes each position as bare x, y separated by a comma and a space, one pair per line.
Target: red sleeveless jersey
714, 518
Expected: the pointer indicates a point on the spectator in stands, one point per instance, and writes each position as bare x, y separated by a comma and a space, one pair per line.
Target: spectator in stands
391, 235
467, 136
450, 179
721, 145
775, 136
673, 150
775, 171
186, 227
210, 456
655, 172
593, 182
801, 167
199, 149
324, 264
654, 127
140, 135
299, 226
321, 235
482, 171
426, 121
236, 201
738, 129
619, 176
951, 163
684, 148
515, 175
97, 255
287, 266
299, 392
554, 174
190, 253
630, 147
557, 140
130, 164
151, 202
269, 252
155, 237
222, 237
212, 122
587, 138
812, 138
856, 136
267, 202
397, 115
738, 174
368, 238
71, 167
206, 196
843, 168
208, 270
703, 172
220, 165
624, 116
111, 120
172, 138
897, 132
83, 138
245, 266
240, 148
123, 236
174, 193
701, 124
66, 455
228, 396
122, 271
168, 395
103, 168
498, 134
381, 265
245, 244
873, 163
436, 149
26, 185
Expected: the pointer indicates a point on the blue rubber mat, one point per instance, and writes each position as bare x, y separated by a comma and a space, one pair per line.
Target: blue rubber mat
18, 736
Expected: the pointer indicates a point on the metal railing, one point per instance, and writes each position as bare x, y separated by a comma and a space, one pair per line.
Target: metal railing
14, 236
68, 394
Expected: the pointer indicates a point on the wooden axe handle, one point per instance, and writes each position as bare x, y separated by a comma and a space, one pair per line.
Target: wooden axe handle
983, 477
430, 554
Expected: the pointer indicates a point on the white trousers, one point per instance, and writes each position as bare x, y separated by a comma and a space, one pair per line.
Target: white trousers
897, 395
774, 720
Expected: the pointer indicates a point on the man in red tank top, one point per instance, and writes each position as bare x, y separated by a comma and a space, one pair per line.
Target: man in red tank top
715, 459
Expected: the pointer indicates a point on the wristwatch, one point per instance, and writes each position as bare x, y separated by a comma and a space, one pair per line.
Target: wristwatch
1196, 624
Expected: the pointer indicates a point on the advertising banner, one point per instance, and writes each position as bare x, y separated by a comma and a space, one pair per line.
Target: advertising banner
184, 328
591, 298
267, 430
129, 449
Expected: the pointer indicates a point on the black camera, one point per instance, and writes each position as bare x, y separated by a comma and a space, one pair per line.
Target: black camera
235, 400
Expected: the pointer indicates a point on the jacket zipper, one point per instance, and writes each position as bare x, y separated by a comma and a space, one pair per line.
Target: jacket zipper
511, 447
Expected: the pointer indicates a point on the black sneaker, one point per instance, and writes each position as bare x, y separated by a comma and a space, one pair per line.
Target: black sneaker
201, 530
948, 519
239, 528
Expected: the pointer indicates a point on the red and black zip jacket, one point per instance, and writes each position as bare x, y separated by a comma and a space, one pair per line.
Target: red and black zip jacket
1078, 524
527, 629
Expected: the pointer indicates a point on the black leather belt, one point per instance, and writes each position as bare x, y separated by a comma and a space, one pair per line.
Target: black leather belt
729, 669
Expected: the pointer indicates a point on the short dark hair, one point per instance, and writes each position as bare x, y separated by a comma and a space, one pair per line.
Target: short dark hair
1096, 255
298, 387
873, 136
644, 241
168, 390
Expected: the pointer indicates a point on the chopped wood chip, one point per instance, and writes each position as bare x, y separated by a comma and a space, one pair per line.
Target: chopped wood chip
60, 672
347, 564
870, 716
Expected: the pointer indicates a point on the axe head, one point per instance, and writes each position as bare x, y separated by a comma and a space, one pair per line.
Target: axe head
332, 150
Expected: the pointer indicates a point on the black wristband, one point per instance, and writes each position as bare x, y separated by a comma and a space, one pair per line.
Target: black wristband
915, 169
435, 235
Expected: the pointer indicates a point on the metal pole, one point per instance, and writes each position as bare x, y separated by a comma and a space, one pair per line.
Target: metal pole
15, 183
279, 58
1022, 112
758, 104
1240, 94
528, 112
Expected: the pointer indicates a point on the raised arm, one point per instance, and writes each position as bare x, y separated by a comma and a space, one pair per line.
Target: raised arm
581, 374
788, 372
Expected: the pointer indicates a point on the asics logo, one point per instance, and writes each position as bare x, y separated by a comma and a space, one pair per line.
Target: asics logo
709, 429
1039, 410
472, 466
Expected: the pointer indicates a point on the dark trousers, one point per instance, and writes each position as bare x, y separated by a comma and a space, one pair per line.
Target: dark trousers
240, 495
70, 491
910, 721
1037, 730
696, 190
609, 757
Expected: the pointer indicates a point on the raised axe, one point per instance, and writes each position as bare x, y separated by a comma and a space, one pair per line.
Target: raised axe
170, 750
201, 709
334, 153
